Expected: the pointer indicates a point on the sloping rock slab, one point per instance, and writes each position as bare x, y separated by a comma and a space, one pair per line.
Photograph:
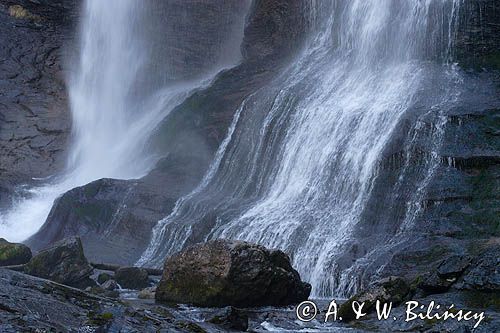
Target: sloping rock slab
30, 304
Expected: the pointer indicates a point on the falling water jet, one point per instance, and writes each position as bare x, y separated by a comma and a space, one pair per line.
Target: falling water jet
112, 115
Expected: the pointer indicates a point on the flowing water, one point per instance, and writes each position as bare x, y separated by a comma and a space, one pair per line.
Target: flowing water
302, 156
117, 98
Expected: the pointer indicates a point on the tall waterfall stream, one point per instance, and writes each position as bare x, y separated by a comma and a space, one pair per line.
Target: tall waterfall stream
301, 157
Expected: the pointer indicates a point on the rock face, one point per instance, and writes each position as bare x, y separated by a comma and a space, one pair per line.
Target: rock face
132, 277
478, 40
64, 262
222, 272
13, 254
211, 35
484, 273
34, 113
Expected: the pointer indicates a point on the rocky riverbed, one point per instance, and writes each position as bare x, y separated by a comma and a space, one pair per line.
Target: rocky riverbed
112, 298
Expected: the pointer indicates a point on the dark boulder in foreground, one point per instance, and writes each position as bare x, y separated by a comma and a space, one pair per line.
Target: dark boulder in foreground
64, 262
132, 277
222, 273
13, 253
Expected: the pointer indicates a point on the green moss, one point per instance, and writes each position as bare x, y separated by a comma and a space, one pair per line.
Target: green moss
13, 254
91, 190
194, 290
100, 319
415, 283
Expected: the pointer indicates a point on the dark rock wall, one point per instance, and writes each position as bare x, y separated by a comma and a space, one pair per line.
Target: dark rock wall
189, 38
34, 117
478, 40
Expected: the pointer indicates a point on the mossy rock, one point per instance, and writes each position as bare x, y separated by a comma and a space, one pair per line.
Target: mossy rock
19, 12
13, 254
132, 277
103, 277
224, 272
100, 319
392, 289
64, 262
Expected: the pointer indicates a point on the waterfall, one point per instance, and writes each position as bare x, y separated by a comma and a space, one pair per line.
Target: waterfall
302, 155
118, 95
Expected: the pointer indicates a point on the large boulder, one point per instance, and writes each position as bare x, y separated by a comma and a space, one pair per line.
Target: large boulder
132, 277
13, 254
64, 263
222, 272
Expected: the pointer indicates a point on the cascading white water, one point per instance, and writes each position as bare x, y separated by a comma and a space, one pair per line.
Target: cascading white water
115, 105
298, 176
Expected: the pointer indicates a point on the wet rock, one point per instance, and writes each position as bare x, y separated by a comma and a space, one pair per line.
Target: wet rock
478, 40
64, 262
391, 289
20, 12
34, 113
147, 293
103, 292
13, 254
31, 304
223, 272
432, 283
103, 277
441, 278
231, 319
484, 273
114, 218
109, 285
275, 30
132, 278
453, 266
